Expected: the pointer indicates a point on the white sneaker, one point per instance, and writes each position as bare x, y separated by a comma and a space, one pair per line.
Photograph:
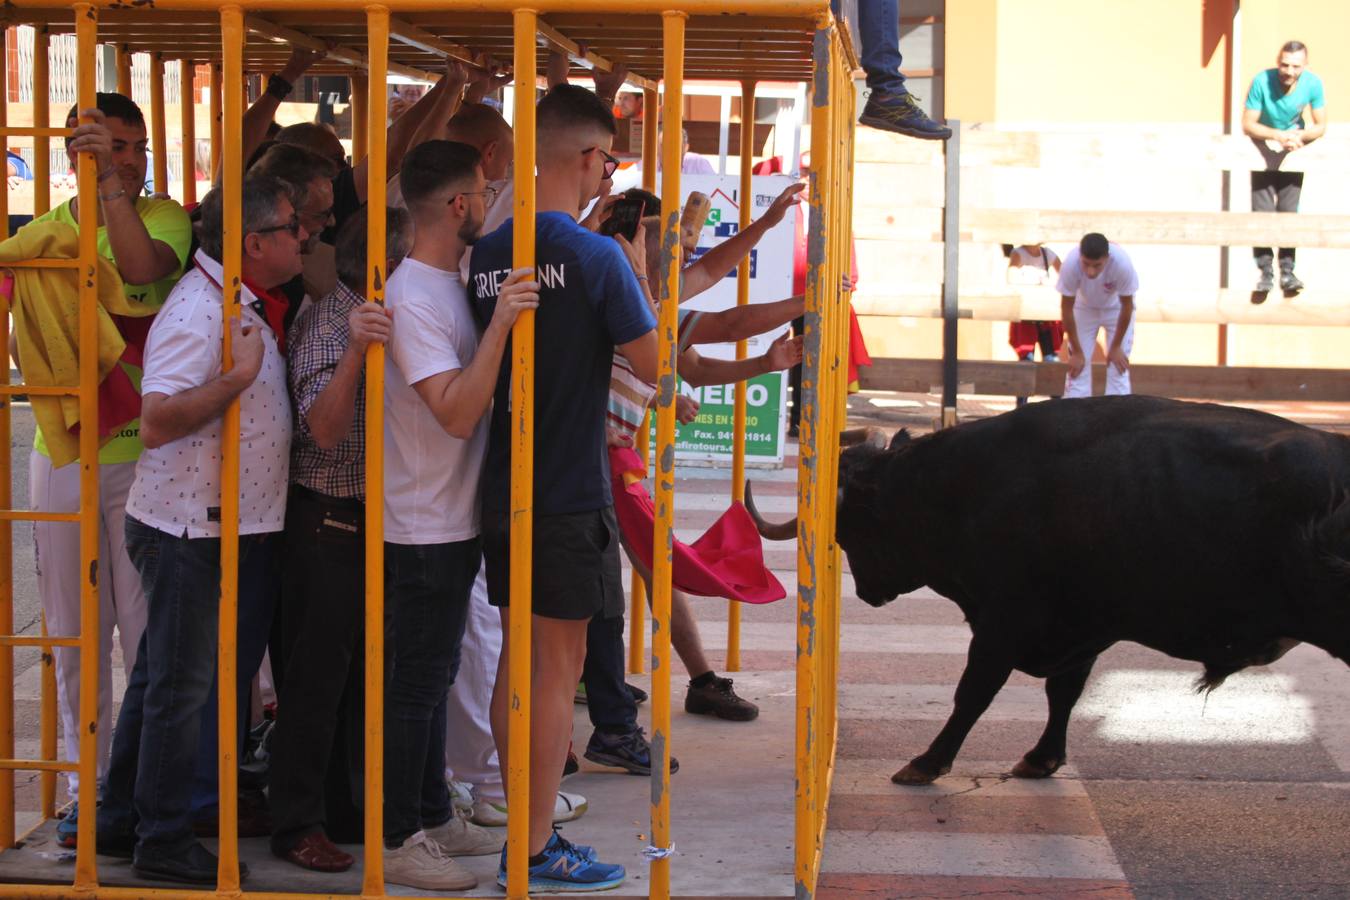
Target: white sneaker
460, 837
461, 797
420, 863
566, 807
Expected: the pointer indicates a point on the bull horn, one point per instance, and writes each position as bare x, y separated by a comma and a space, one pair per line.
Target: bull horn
770, 531
867, 434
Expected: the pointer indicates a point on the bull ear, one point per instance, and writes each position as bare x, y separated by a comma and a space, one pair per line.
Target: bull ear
901, 437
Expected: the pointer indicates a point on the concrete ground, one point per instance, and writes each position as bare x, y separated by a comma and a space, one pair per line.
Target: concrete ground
1165, 795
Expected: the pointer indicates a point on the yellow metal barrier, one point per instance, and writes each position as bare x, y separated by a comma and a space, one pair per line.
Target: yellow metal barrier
823, 414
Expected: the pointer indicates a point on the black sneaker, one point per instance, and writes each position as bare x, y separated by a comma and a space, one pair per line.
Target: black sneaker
639, 695
1266, 282
571, 765
195, 865
717, 698
899, 113
629, 750
1289, 282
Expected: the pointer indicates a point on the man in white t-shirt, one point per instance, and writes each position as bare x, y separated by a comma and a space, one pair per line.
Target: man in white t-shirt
1096, 286
174, 515
439, 380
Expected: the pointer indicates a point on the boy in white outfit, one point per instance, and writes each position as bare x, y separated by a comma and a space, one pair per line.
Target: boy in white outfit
1097, 283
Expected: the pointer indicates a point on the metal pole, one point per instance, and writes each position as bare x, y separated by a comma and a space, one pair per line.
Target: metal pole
6, 529
662, 541
951, 245
742, 299
122, 56
215, 119
159, 138
86, 870
232, 245
525, 27
360, 120
375, 101
187, 99
42, 117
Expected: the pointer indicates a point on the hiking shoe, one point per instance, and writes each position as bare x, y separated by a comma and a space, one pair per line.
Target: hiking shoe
629, 750
639, 695
565, 867
566, 807
67, 830
1266, 282
899, 113
571, 765
717, 698
460, 837
1289, 282
194, 865
420, 863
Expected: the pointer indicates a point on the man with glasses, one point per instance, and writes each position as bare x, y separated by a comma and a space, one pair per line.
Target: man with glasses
439, 380
174, 514
311, 178
591, 304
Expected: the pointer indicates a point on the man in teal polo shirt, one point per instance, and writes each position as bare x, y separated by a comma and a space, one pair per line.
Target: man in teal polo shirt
1277, 104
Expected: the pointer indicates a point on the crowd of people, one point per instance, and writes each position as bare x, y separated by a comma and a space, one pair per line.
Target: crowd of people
298, 354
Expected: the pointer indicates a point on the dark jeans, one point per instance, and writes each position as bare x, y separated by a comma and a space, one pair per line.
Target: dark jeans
321, 697
154, 750
879, 31
1275, 192
795, 378
426, 605
608, 701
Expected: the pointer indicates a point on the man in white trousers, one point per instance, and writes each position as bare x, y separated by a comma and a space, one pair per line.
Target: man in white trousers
1097, 283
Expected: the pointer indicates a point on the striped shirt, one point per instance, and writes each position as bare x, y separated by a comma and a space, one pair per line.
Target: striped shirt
629, 395
318, 339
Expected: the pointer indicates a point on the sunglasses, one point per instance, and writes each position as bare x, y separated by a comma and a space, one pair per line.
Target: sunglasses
611, 163
293, 226
488, 195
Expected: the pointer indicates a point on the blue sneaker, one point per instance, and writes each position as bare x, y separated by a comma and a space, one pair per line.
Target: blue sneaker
567, 867
68, 829
585, 850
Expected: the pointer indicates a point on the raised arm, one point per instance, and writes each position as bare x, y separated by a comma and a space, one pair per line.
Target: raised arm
253, 128
699, 370
741, 322
712, 267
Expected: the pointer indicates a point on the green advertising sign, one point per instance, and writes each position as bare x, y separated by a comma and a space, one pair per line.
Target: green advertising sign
709, 437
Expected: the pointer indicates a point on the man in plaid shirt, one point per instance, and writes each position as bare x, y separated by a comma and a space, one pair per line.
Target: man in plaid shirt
324, 611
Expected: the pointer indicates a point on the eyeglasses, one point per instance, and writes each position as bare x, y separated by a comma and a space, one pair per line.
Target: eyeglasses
293, 226
611, 163
488, 195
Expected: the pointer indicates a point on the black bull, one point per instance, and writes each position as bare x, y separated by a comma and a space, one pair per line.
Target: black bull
1209, 533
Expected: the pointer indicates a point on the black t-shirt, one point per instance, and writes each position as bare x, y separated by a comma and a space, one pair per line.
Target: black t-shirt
345, 202
589, 301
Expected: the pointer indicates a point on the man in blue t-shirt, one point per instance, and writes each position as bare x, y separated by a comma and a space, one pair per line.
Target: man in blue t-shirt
591, 302
1276, 105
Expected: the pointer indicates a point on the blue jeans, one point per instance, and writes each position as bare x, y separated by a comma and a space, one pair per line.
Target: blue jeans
154, 748
426, 606
608, 701
879, 31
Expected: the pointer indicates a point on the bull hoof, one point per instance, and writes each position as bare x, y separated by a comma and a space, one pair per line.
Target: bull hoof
919, 773
1029, 767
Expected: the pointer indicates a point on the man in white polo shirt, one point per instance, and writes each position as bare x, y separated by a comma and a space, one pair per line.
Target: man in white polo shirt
1096, 285
174, 514
439, 381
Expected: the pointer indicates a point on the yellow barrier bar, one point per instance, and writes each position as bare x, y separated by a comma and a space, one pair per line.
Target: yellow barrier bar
159, 129
6, 538
672, 157
48, 713
525, 27
787, 8
122, 58
809, 486
42, 118
41, 264
215, 118
360, 120
376, 101
742, 299
187, 101
232, 245
9, 766
27, 515
86, 869
43, 639
637, 606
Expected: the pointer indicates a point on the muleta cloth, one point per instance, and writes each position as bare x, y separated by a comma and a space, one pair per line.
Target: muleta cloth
726, 561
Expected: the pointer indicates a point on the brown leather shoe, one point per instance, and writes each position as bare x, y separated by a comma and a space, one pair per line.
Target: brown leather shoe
316, 852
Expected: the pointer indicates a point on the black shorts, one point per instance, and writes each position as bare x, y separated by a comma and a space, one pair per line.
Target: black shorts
576, 564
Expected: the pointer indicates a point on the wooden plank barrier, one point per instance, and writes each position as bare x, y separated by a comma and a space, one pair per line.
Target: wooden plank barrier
1024, 379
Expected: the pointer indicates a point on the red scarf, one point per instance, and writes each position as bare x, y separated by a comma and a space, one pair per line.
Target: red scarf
274, 305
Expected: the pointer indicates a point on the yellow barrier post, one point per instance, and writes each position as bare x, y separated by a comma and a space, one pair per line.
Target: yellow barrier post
187, 100
672, 155
122, 58
742, 299
376, 101
637, 616
6, 535
807, 801
42, 118
232, 245
525, 27
360, 87
159, 137
215, 119
86, 869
